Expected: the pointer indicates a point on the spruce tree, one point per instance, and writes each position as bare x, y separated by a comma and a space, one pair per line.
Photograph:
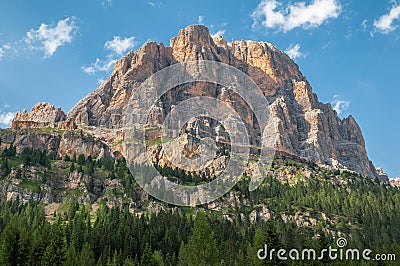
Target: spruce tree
55, 253
202, 247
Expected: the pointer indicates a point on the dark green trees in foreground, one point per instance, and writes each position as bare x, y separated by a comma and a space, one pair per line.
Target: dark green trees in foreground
364, 211
118, 237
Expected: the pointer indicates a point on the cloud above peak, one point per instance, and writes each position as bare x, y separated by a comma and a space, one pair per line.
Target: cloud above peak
293, 51
49, 38
339, 105
273, 15
119, 45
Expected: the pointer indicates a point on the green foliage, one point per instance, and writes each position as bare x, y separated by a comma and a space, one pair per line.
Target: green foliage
67, 158
30, 184
202, 247
55, 252
81, 159
365, 211
10, 251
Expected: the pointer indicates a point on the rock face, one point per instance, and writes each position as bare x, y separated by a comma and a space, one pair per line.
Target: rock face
382, 175
42, 115
395, 182
307, 128
59, 143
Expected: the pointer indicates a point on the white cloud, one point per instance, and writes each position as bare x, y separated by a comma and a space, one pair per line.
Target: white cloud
218, 33
200, 20
385, 23
6, 47
48, 38
6, 118
293, 51
339, 105
117, 48
273, 15
154, 4
100, 66
119, 45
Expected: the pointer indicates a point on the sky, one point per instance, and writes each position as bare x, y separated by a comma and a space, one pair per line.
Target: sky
349, 50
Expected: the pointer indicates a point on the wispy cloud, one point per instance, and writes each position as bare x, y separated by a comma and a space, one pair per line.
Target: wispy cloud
339, 105
326, 45
364, 24
293, 51
154, 4
100, 66
117, 47
4, 49
200, 19
49, 38
107, 3
386, 23
218, 33
273, 15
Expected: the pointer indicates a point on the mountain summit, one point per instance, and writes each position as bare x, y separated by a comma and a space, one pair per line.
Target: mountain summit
307, 128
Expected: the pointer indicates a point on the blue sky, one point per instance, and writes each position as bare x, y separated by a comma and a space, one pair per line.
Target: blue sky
58, 51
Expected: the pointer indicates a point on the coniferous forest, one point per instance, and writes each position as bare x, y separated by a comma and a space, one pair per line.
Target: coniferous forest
363, 210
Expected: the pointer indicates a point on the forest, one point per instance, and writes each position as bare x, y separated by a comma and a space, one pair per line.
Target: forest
363, 210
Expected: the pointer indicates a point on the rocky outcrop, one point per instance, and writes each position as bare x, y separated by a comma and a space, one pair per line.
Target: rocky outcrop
395, 182
382, 175
60, 185
42, 115
58, 142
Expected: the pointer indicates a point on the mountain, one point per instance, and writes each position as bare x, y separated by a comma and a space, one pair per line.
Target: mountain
68, 195
307, 128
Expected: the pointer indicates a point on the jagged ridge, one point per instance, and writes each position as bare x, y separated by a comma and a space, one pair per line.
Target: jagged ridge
306, 127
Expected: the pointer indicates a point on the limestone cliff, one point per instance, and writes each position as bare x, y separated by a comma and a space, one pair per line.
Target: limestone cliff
42, 115
307, 128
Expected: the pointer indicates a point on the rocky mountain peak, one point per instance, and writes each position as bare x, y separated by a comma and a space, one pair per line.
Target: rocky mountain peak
42, 112
193, 35
307, 128
193, 43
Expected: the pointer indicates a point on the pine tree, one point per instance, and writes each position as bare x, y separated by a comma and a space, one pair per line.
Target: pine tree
67, 158
266, 236
147, 258
86, 256
81, 159
10, 249
72, 167
182, 256
202, 247
55, 253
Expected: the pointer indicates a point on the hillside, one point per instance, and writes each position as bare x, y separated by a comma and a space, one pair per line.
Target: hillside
81, 194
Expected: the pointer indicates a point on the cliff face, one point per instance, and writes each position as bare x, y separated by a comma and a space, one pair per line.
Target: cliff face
42, 115
59, 142
306, 127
